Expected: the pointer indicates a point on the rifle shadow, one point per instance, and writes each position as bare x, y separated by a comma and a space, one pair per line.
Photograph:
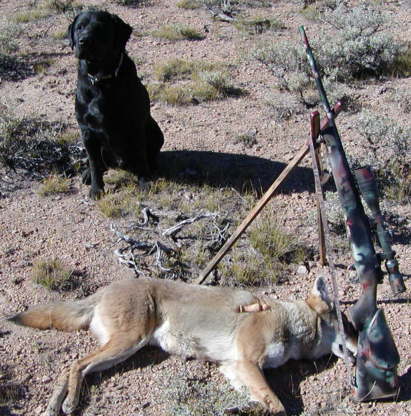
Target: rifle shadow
229, 170
285, 381
405, 387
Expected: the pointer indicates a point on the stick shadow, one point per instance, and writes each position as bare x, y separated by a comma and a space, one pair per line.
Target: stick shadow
227, 170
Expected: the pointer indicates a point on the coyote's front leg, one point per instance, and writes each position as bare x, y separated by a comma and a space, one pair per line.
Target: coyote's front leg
251, 376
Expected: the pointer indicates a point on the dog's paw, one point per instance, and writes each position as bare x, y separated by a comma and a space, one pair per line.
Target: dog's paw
96, 193
86, 177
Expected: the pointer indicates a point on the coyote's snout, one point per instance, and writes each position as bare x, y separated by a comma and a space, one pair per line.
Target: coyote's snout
193, 321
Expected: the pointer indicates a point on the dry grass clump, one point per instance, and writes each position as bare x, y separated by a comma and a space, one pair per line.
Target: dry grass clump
189, 4
247, 139
53, 275
46, 8
178, 32
265, 259
257, 25
54, 184
181, 69
184, 82
120, 204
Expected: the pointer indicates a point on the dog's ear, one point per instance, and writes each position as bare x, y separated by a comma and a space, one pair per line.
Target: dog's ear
70, 32
123, 32
319, 299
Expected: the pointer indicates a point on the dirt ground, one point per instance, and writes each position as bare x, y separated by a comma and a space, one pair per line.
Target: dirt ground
72, 228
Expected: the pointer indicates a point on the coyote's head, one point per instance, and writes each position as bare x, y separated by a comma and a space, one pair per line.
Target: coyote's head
330, 336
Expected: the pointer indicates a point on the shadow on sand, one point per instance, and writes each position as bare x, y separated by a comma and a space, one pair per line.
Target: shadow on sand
228, 170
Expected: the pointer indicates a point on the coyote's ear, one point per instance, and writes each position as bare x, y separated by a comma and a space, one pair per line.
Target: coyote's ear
319, 300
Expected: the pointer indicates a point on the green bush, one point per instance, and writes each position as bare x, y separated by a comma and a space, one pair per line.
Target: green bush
9, 31
354, 46
361, 46
384, 145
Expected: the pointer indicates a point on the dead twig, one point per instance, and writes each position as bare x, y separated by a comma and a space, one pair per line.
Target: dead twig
172, 231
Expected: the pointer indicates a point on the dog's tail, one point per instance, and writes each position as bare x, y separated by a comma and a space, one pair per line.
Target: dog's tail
65, 316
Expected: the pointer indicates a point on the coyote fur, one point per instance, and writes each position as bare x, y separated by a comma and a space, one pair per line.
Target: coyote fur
210, 323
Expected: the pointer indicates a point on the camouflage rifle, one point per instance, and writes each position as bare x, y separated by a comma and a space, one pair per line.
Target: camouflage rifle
377, 357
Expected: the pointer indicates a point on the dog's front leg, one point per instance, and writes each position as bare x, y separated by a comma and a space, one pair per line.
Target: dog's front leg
96, 164
59, 393
251, 376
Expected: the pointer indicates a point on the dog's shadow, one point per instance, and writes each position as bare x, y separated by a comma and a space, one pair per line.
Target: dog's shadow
229, 170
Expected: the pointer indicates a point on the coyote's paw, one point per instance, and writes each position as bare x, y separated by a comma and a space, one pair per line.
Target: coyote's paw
68, 406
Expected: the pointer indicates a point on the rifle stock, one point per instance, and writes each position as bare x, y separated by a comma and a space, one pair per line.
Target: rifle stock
377, 356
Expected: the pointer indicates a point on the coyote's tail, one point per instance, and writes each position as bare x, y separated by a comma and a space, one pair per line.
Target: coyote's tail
65, 316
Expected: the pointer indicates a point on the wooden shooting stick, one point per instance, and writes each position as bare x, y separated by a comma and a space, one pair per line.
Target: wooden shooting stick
261, 204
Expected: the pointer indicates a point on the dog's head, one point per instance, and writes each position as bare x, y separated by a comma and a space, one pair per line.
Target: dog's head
97, 35
319, 300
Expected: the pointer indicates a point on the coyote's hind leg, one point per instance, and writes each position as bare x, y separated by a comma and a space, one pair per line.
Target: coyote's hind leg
116, 350
59, 393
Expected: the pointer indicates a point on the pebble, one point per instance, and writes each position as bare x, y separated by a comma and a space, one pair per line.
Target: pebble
302, 270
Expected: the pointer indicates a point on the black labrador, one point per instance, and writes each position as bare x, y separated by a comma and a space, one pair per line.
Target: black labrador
112, 105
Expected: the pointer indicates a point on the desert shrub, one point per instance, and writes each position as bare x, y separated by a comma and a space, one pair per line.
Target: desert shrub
54, 184
288, 63
9, 31
359, 46
53, 275
34, 144
384, 145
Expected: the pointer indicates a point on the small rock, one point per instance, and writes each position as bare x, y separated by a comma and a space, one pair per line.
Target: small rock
302, 269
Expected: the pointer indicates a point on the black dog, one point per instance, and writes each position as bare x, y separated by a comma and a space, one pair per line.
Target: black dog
112, 105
